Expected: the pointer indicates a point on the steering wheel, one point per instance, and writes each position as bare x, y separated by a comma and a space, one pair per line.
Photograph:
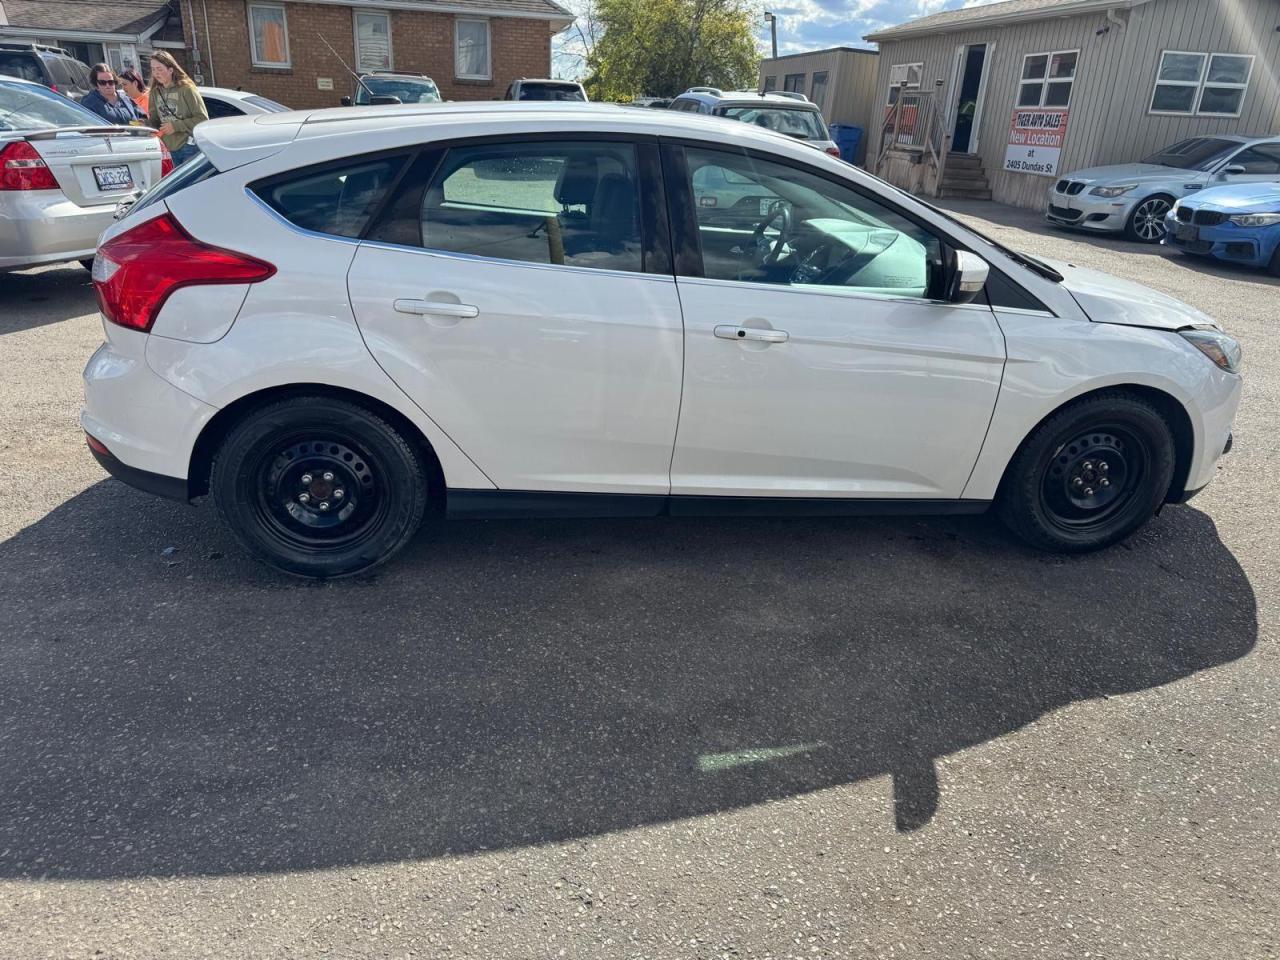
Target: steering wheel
782, 211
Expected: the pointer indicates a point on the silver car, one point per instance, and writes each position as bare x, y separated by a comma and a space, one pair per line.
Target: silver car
790, 113
62, 172
1136, 197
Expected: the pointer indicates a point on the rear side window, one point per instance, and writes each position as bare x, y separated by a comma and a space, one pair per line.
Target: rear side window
61, 75
337, 199
561, 203
21, 65
220, 108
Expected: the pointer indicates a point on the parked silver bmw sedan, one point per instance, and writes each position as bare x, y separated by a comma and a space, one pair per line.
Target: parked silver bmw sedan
1134, 198
62, 172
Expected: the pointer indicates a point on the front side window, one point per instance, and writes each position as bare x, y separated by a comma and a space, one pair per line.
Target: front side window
563, 203
766, 222
1047, 79
1201, 84
220, 108
335, 199
1264, 159
471, 50
1195, 153
268, 35
373, 40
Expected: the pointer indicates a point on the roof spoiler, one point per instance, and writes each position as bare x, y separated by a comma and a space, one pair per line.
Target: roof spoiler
234, 142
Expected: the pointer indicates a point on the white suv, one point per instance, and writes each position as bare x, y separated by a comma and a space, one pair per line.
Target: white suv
334, 323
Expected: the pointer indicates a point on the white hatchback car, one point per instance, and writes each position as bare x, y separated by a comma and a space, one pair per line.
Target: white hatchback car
335, 322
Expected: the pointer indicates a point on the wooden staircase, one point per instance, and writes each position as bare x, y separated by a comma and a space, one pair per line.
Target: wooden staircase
963, 177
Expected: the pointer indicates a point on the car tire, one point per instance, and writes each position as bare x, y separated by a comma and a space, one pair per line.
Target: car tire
1090, 475
319, 487
1146, 222
1275, 263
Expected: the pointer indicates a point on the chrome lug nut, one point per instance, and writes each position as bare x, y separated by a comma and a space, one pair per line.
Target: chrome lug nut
1087, 465
324, 505
1088, 492
338, 494
1104, 466
306, 478
1104, 482
304, 498
1077, 482
328, 475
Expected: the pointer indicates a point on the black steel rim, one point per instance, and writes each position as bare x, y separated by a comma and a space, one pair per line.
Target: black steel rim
319, 492
1094, 478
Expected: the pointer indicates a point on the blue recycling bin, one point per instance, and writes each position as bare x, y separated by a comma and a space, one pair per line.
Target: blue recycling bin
847, 138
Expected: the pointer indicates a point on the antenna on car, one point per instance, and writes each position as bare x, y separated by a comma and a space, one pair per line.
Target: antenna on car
344, 63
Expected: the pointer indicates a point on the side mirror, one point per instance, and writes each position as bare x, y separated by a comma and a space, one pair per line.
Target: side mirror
1233, 170
383, 101
345, 101
968, 277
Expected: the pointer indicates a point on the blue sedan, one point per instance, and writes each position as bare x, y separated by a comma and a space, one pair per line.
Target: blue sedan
1239, 224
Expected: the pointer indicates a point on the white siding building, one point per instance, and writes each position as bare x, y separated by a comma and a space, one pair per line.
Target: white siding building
1006, 96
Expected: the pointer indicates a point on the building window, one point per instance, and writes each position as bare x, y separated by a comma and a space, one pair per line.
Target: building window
818, 89
793, 83
770, 83
1047, 79
903, 76
373, 40
268, 35
471, 50
1201, 84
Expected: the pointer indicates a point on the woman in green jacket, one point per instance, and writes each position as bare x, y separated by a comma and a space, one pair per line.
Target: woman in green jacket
175, 107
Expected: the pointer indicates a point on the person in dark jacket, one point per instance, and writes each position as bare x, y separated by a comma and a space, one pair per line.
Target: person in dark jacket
107, 101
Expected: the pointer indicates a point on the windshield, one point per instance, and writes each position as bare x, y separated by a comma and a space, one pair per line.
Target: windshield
559, 92
268, 105
406, 89
38, 108
805, 124
1198, 153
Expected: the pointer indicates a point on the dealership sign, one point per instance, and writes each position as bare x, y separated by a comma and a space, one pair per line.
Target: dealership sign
1035, 141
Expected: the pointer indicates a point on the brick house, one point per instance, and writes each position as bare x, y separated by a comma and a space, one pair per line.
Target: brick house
472, 48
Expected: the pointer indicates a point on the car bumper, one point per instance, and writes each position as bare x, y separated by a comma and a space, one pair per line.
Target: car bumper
146, 425
1250, 246
43, 226
1088, 212
1217, 400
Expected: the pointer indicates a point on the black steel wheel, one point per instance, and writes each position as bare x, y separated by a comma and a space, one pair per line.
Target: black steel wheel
1146, 223
319, 487
1090, 475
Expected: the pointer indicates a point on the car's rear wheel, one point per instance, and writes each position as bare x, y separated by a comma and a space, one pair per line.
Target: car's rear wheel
319, 487
1146, 222
1090, 475
1275, 263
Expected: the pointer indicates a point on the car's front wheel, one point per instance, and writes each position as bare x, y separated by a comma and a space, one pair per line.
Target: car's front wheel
319, 487
1146, 222
1090, 475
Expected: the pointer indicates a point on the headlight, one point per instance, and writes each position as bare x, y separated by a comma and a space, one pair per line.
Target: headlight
1115, 191
1255, 219
1217, 346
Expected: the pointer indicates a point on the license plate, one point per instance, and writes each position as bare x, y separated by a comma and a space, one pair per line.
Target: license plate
114, 177
1185, 231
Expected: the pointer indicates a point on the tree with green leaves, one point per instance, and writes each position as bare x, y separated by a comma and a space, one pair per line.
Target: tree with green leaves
662, 47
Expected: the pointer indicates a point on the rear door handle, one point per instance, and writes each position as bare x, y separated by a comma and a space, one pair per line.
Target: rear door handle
727, 331
437, 308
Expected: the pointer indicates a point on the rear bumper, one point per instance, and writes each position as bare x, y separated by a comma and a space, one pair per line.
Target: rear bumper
43, 226
172, 488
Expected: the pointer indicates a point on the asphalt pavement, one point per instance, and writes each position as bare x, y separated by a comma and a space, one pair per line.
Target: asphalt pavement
665, 738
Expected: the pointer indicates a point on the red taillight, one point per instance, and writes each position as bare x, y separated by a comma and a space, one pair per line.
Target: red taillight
135, 272
22, 168
834, 151
96, 445
166, 160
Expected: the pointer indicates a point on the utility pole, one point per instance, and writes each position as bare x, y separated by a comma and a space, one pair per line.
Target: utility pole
772, 21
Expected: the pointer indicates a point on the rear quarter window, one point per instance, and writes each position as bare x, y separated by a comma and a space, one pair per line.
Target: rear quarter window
335, 199
21, 65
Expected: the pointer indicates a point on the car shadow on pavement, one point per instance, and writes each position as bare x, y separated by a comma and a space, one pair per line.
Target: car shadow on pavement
169, 708
30, 299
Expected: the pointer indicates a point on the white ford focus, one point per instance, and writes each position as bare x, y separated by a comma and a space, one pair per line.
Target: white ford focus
335, 322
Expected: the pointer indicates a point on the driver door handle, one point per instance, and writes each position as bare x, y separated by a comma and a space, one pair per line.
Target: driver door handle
727, 331
437, 308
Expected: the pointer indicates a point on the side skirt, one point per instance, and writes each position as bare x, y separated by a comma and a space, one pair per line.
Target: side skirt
529, 504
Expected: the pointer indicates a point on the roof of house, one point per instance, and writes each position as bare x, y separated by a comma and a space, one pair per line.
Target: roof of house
91, 16
814, 53
992, 14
